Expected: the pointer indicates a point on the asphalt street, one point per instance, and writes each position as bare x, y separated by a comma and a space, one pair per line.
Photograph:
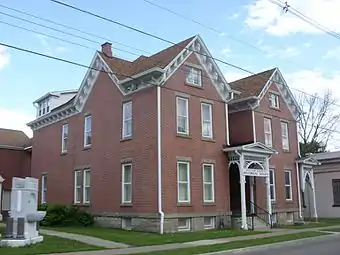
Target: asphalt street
328, 245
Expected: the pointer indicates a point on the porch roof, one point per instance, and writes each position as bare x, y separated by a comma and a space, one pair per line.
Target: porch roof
309, 160
255, 147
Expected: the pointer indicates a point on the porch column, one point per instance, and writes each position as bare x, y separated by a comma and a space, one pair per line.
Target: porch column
1, 181
314, 199
243, 195
269, 202
252, 200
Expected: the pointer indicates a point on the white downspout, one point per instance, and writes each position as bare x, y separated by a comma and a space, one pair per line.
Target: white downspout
227, 123
159, 160
254, 128
298, 174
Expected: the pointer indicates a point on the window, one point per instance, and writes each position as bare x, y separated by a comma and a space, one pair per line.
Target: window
87, 131
206, 112
182, 115
126, 223
64, 138
184, 224
284, 135
336, 191
194, 76
272, 184
268, 139
183, 179
43, 189
127, 119
87, 186
288, 184
209, 222
208, 183
126, 183
77, 187
274, 100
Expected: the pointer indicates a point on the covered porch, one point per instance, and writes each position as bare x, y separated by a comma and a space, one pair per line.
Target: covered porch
306, 172
246, 162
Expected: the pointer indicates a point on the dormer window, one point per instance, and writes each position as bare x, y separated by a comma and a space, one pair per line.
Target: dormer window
44, 108
274, 101
194, 76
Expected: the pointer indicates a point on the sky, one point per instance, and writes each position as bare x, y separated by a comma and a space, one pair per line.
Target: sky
253, 34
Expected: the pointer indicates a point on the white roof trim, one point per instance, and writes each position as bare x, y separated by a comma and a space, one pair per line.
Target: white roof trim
285, 92
257, 147
154, 69
309, 161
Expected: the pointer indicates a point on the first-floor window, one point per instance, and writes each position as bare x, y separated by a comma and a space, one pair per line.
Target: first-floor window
288, 184
126, 183
77, 187
336, 191
272, 184
87, 186
183, 181
208, 183
43, 189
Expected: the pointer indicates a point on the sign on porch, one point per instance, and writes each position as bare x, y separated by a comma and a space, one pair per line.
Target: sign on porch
256, 172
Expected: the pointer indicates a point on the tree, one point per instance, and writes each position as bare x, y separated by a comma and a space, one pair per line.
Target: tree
318, 121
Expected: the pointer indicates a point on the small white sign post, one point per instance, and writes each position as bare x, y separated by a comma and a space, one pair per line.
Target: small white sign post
1, 181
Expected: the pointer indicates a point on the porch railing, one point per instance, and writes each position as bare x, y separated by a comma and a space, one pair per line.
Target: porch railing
260, 213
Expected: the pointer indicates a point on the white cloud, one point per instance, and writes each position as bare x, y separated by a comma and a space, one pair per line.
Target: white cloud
264, 14
307, 45
234, 16
48, 47
333, 53
15, 119
284, 53
4, 57
234, 75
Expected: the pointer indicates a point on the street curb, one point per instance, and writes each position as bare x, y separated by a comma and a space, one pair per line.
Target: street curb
266, 246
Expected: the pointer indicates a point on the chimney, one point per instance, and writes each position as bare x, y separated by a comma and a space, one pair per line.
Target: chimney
107, 49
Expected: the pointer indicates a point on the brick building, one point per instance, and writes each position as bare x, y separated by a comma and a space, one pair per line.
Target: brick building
15, 157
156, 143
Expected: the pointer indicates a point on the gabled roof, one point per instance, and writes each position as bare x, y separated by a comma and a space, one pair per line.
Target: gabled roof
13, 138
327, 155
256, 147
161, 59
309, 160
252, 85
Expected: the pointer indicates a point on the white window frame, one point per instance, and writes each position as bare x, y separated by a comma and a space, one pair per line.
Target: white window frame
64, 138
210, 121
212, 183
43, 188
77, 186
186, 100
193, 71
126, 120
268, 132
288, 185
187, 226
274, 100
183, 182
126, 183
89, 131
272, 185
86, 186
285, 137
212, 222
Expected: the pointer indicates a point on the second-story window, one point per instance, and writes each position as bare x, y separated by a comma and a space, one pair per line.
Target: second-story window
88, 131
268, 137
194, 76
127, 120
274, 100
284, 135
64, 138
207, 130
182, 115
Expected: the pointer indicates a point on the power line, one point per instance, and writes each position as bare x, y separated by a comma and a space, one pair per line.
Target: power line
127, 76
217, 31
165, 40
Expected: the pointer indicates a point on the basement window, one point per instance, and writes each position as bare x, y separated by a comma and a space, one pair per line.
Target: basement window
209, 222
184, 224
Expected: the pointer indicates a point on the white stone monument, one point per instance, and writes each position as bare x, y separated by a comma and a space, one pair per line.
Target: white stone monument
24, 204
1, 181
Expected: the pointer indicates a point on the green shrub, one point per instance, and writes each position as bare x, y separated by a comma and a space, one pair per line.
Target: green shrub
61, 215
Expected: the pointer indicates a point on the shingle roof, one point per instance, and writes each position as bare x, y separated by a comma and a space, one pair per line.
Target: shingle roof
15, 138
251, 85
161, 59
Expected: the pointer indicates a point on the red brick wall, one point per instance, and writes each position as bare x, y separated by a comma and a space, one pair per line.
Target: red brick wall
284, 159
14, 163
241, 127
106, 153
193, 146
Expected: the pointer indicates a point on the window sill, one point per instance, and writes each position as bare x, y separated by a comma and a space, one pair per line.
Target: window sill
126, 139
209, 204
126, 205
63, 153
82, 205
194, 85
337, 205
206, 139
290, 202
286, 151
184, 204
275, 108
87, 147
183, 136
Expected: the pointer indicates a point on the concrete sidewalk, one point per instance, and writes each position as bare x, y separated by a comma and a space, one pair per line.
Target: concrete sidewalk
144, 249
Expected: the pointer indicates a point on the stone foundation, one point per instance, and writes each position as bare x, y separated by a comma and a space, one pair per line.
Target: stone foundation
285, 216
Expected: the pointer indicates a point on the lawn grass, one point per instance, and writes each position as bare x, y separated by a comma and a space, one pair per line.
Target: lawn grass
332, 229
237, 244
50, 244
143, 239
321, 223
